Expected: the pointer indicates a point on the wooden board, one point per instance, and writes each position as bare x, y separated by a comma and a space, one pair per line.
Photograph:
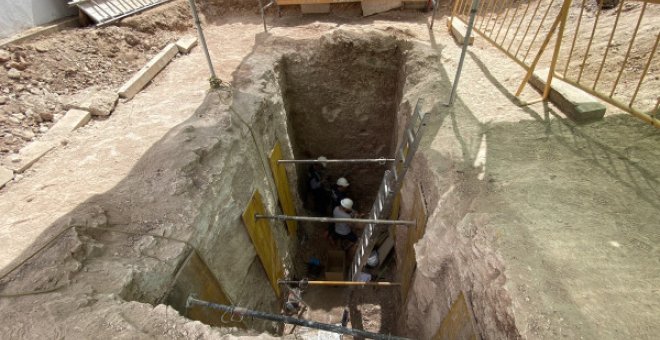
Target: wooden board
282, 184
195, 278
262, 238
415, 233
458, 324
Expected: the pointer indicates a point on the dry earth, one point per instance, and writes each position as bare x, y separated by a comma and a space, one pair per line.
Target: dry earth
551, 222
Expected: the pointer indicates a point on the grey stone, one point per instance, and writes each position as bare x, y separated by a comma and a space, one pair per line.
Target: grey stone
186, 44
3, 100
97, 102
575, 103
4, 56
14, 74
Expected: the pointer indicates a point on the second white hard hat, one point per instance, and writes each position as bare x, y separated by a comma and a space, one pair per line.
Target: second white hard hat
323, 159
342, 182
347, 203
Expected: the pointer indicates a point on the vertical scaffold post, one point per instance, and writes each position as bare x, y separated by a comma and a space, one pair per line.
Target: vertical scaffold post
214, 79
466, 42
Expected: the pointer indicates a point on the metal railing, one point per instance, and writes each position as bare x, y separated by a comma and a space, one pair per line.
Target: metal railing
591, 49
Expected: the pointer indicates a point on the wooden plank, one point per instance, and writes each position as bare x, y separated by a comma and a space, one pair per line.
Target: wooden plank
195, 278
262, 238
415, 233
458, 324
282, 184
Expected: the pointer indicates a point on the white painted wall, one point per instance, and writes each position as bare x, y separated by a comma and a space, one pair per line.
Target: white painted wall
19, 15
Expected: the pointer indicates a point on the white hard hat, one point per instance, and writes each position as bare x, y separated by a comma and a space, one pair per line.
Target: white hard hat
342, 182
347, 203
372, 261
322, 159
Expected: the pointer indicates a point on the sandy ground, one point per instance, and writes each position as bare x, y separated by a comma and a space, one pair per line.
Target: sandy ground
571, 210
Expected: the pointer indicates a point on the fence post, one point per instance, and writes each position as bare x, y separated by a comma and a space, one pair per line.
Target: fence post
555, 55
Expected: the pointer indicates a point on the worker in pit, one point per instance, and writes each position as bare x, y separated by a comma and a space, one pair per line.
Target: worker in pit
318, 186
343, 230
338, 192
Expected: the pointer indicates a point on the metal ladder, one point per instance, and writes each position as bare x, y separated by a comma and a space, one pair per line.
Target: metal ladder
390, 186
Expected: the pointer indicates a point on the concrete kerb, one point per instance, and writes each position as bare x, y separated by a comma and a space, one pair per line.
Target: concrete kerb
30, 155
186, 44
148, 72
575, 103
72, 120
458, 30
6, 175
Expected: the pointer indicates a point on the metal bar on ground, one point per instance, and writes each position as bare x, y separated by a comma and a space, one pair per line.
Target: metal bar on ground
339, 283
609, 43
529, 25
538, 29
497, 17
366, 160
506, 15
513, 18
577, 30
333, 220
202, 40
646, 69
625, 59
466, 42
563, 14
480, 12
243, 312
489, 11
522, 19
591, 39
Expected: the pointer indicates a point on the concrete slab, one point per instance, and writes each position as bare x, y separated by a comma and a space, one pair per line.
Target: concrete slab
72, 120
6, 175
458, 30
97, 102
31, 154
315, 8
148, 72
370, 7
575, 103
186, 44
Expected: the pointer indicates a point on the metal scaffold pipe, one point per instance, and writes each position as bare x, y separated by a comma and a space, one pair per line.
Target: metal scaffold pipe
202, 40
466, 42
329, 161
332, 220
243, 312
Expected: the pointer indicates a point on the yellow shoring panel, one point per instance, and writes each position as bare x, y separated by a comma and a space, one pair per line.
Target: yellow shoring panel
282, 184
262, 237
458, 323
414, 234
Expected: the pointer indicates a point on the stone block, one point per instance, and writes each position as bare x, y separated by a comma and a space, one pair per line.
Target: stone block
148, 72
575, 103
186, 44
6, 175
458, 30
370, 7
315, 8
97, 102
30, 154
72, 120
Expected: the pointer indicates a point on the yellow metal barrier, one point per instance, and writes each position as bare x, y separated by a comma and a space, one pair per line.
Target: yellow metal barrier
262, 237
415, 233
283, 191
508, 26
